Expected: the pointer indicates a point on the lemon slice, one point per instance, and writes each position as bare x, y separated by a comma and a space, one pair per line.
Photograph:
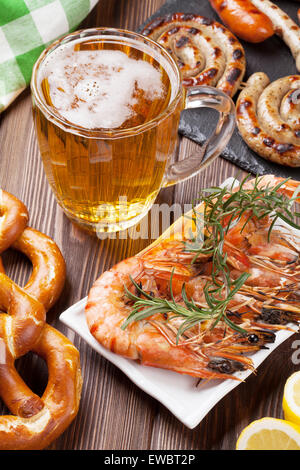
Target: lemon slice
291, 399
270, 434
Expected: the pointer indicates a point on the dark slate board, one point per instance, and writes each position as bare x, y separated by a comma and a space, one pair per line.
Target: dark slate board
272, 57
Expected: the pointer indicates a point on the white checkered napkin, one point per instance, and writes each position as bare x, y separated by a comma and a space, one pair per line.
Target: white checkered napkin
26, 28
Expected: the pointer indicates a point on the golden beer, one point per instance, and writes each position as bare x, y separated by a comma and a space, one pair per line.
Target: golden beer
106, 106
103, 153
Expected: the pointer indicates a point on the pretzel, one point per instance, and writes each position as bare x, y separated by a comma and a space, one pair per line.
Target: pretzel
35, 421
206, 52
14, 218
48, 273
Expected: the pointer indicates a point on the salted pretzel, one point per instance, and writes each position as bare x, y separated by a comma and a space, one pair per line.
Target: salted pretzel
206, 52
35, 421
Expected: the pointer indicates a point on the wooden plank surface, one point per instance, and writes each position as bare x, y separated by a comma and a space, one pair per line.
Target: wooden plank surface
114, 413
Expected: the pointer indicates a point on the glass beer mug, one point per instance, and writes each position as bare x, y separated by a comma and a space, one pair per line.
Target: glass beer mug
106, 106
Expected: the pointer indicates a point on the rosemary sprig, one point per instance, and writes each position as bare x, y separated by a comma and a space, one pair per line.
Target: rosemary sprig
146, 306
224, 207
220, 205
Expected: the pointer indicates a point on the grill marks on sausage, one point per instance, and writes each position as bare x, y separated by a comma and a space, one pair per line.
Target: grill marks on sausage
233, 75
187, 16
155, 24
237, 54
210, 73
182, 41
271, 143
282, 148
232, 40
217, 52
173, 30
268, 142
242, 107
177, 32
255, 131
206, 21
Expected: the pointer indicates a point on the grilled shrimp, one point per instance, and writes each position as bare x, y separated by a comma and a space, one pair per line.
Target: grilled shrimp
271, 260
147, 341
267, 301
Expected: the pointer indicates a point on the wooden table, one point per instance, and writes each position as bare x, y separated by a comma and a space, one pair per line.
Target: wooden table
114, 413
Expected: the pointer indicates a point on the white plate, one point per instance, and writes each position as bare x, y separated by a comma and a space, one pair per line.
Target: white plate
177, 392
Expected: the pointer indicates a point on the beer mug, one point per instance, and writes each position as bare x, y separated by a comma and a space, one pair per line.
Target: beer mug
106, 106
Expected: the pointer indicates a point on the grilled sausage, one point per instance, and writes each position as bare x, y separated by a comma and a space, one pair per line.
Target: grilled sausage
206, 52
260, 122
284, 26
244, 20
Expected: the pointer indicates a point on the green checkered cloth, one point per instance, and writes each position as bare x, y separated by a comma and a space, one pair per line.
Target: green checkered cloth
26, 28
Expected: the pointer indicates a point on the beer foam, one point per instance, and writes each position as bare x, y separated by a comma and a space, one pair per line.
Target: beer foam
98, 88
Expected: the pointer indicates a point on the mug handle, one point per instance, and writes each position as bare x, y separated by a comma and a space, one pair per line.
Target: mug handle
204, 97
